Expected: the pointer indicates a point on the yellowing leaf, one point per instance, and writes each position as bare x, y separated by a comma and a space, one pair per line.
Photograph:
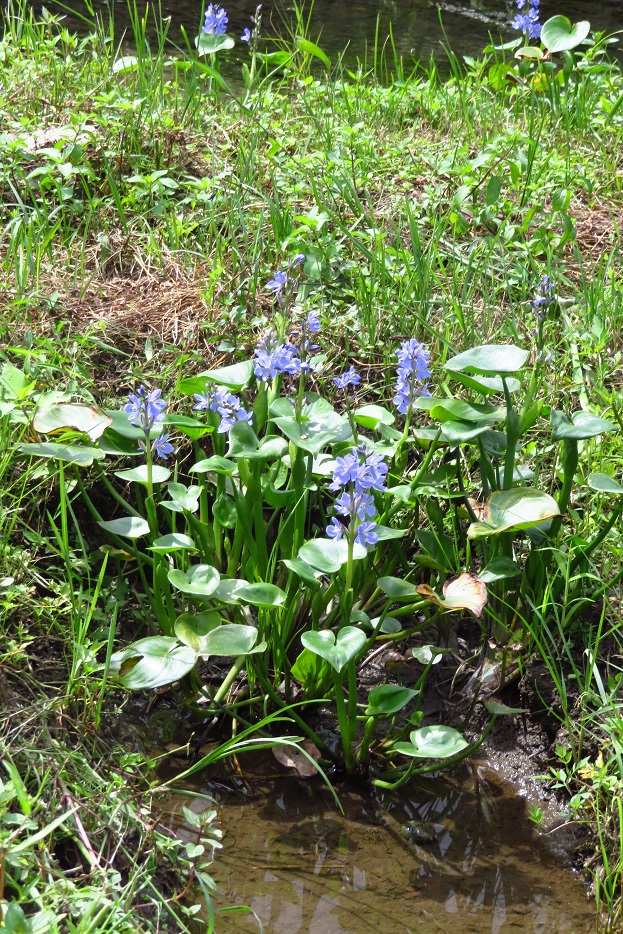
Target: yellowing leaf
467, 592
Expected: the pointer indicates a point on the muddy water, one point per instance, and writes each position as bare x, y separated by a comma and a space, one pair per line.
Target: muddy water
467, 864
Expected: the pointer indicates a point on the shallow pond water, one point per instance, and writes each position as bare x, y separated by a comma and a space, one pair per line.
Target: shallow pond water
420, 27
443, 855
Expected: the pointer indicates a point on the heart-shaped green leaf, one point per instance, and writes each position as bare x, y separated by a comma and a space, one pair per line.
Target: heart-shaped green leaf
208, 44
397, 589
201, 580
518, 508
215, 464
315, 432
80, 455
192, 628
500, 568
306, 572
233, 377
152, 663
190, 427
261, 594
385, 700
127, 527
231, 640
371, 416
159, 474
337, 650
433, 742
582, 425
243, 442
497, 359
327, 555
560, 35
603, 483
174, 541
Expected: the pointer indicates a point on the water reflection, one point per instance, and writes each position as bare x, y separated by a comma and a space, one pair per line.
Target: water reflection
417, 29
304, 868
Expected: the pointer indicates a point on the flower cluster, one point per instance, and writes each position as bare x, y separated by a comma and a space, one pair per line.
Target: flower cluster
544, 296
527, 20
250, 35
349, 378
145, 409
283, 278
272, 358
216, 20
357, 478
228, 406
412, 373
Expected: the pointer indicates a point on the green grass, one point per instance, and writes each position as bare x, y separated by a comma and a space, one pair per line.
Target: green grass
425, 206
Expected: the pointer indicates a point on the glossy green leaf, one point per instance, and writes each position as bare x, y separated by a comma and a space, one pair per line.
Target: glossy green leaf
486, 385
127, 527
183, 498
208, 44
560, 35
397, 589
389, 624
190, 427
309, 669
232, 639
455, 410
327, 555
603, 483
125, 64
313, 434
159, 474
261, 594
427, 654
306, 572
371, 416
497, 359
77, 454
387, 534
121, 424
89, 419
234, 377
227, 590
518, 508
201, 580
500, 568
174, 541
310, 48
152, 663
337, 650
192, 628
215, 464
385, 700
243, 442
433, 742
581, 426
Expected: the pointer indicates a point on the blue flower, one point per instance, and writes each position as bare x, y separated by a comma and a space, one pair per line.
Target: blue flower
216, 20
161, 446
355, 504
413, 371
369, 475
366, 534
544, 297
335, 530
277, 283
246, 35
313, 322
298, 260
350, 378
226, 404
271, 360
528, 19
145, 408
